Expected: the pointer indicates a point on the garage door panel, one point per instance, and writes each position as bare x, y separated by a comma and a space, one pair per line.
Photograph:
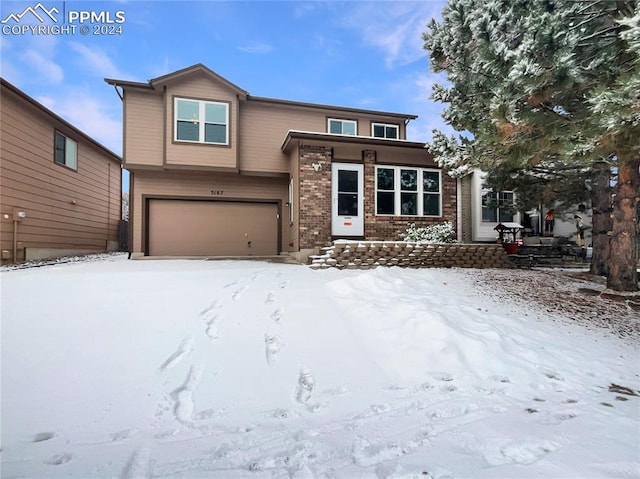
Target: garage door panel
212, 228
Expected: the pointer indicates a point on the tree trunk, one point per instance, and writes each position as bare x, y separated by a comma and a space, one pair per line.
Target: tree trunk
623, 274
601, 218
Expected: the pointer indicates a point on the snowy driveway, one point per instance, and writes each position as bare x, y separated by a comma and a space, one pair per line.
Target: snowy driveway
193, 369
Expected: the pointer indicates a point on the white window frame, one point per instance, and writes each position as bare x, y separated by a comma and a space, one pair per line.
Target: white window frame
342, 122
70, 151
397, 190
201, 122
386, 125
497, 209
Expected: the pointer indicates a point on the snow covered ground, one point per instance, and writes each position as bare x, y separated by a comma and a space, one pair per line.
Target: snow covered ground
190, 369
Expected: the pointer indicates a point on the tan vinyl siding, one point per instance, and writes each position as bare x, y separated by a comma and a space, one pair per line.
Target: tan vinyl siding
200, 87
264, 126
200, 185
143, 114
409, 157
65, 209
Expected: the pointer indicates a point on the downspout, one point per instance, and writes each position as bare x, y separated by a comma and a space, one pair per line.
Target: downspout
459, 209
108, 206
15, 239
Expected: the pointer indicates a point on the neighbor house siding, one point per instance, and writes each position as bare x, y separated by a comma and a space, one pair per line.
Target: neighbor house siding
206, 186
66, 210
465, 200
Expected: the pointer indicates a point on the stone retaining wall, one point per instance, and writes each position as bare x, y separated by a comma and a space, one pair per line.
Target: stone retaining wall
370, 254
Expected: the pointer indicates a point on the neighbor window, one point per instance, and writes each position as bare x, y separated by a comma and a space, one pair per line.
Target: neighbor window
497, 207
402, 191
66, 151
342, 127
201, 121
382, 130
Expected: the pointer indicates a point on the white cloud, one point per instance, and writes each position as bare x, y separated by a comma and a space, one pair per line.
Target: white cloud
96, 61
92, 115
394, 27
47, 101
51, 71
257, 48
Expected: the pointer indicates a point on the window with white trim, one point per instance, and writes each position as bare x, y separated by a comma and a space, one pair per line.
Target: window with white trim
66, 151
342, 127
497, 207
406, 191
198, 121
384, 130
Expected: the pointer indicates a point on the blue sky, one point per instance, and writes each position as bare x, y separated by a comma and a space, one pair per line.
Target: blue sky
355, 54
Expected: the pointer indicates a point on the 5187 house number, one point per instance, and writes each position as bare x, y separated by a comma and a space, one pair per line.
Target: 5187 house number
217, 192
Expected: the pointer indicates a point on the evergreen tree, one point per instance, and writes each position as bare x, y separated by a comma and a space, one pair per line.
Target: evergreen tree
550, 92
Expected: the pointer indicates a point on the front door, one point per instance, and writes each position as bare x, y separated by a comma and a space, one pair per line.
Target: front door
347, 200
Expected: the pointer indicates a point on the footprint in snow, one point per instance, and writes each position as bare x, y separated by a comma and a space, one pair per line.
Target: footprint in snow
277, 315
137, 466
59, 459
306, 383
440, 376
212, 327
237, 293
184, 405
525, 453
206, 312
44, 436
183, 350
273, 345
283, 284
501, 379
270, 298
549, 373
122, 435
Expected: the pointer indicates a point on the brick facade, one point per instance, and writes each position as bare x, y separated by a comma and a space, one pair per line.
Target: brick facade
315, 201
315, 197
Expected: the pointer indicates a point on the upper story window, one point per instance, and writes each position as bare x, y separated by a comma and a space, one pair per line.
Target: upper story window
66, 151
342, 127
201, 121
497, 207
403, 191
384, 130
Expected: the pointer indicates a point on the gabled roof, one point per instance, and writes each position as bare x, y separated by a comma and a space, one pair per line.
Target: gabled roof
199, 67
57, 118
185, 72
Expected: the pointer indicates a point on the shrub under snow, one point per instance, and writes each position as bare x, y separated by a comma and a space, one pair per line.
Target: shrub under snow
439, 233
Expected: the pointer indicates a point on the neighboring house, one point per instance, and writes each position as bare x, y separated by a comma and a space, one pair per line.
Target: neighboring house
218, 172
60, 190
482, 209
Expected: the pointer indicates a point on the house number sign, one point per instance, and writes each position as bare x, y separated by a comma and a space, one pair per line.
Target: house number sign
217, 192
